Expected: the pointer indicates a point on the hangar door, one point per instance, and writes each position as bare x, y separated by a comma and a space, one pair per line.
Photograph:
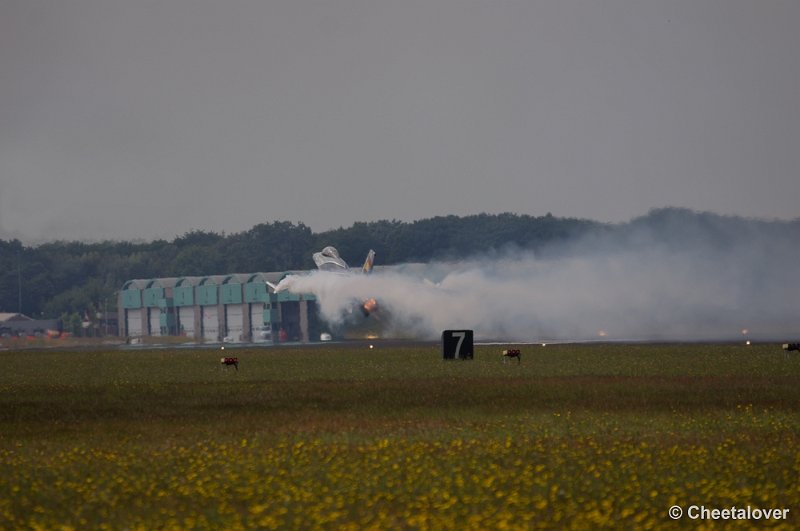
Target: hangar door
155, 321
186, 320
234, 322
133, 322
210, 323
259, 332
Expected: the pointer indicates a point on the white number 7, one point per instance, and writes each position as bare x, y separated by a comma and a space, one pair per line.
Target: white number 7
460, 336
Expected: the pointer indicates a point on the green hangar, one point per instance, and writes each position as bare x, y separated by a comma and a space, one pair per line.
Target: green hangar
219, 308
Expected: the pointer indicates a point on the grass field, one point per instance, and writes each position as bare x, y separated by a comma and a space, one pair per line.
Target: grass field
341, 436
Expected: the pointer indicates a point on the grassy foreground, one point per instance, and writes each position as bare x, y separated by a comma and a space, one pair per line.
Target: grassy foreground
341, 436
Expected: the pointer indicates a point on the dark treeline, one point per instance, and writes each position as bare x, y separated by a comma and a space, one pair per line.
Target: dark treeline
67, 276
58, 278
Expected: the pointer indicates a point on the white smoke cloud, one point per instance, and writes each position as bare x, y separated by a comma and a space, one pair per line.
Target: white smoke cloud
637, 282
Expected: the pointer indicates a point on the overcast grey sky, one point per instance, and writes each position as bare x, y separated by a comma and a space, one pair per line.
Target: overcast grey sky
138, 119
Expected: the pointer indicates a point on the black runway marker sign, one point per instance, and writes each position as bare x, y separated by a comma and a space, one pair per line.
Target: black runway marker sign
457, 345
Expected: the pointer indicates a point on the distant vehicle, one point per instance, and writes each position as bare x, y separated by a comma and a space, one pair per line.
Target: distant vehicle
328, 259
262, 333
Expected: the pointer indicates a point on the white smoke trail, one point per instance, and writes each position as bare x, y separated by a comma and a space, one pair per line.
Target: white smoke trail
637, 287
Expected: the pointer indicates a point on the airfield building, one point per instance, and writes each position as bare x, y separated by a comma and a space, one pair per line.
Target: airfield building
19, 324
220, 308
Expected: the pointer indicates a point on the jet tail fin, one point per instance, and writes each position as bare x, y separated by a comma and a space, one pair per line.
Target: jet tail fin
367, 267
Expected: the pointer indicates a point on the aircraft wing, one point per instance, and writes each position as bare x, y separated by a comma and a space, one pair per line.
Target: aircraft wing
328, 259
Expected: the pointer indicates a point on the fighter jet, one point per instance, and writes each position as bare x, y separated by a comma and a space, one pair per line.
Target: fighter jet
328, 259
